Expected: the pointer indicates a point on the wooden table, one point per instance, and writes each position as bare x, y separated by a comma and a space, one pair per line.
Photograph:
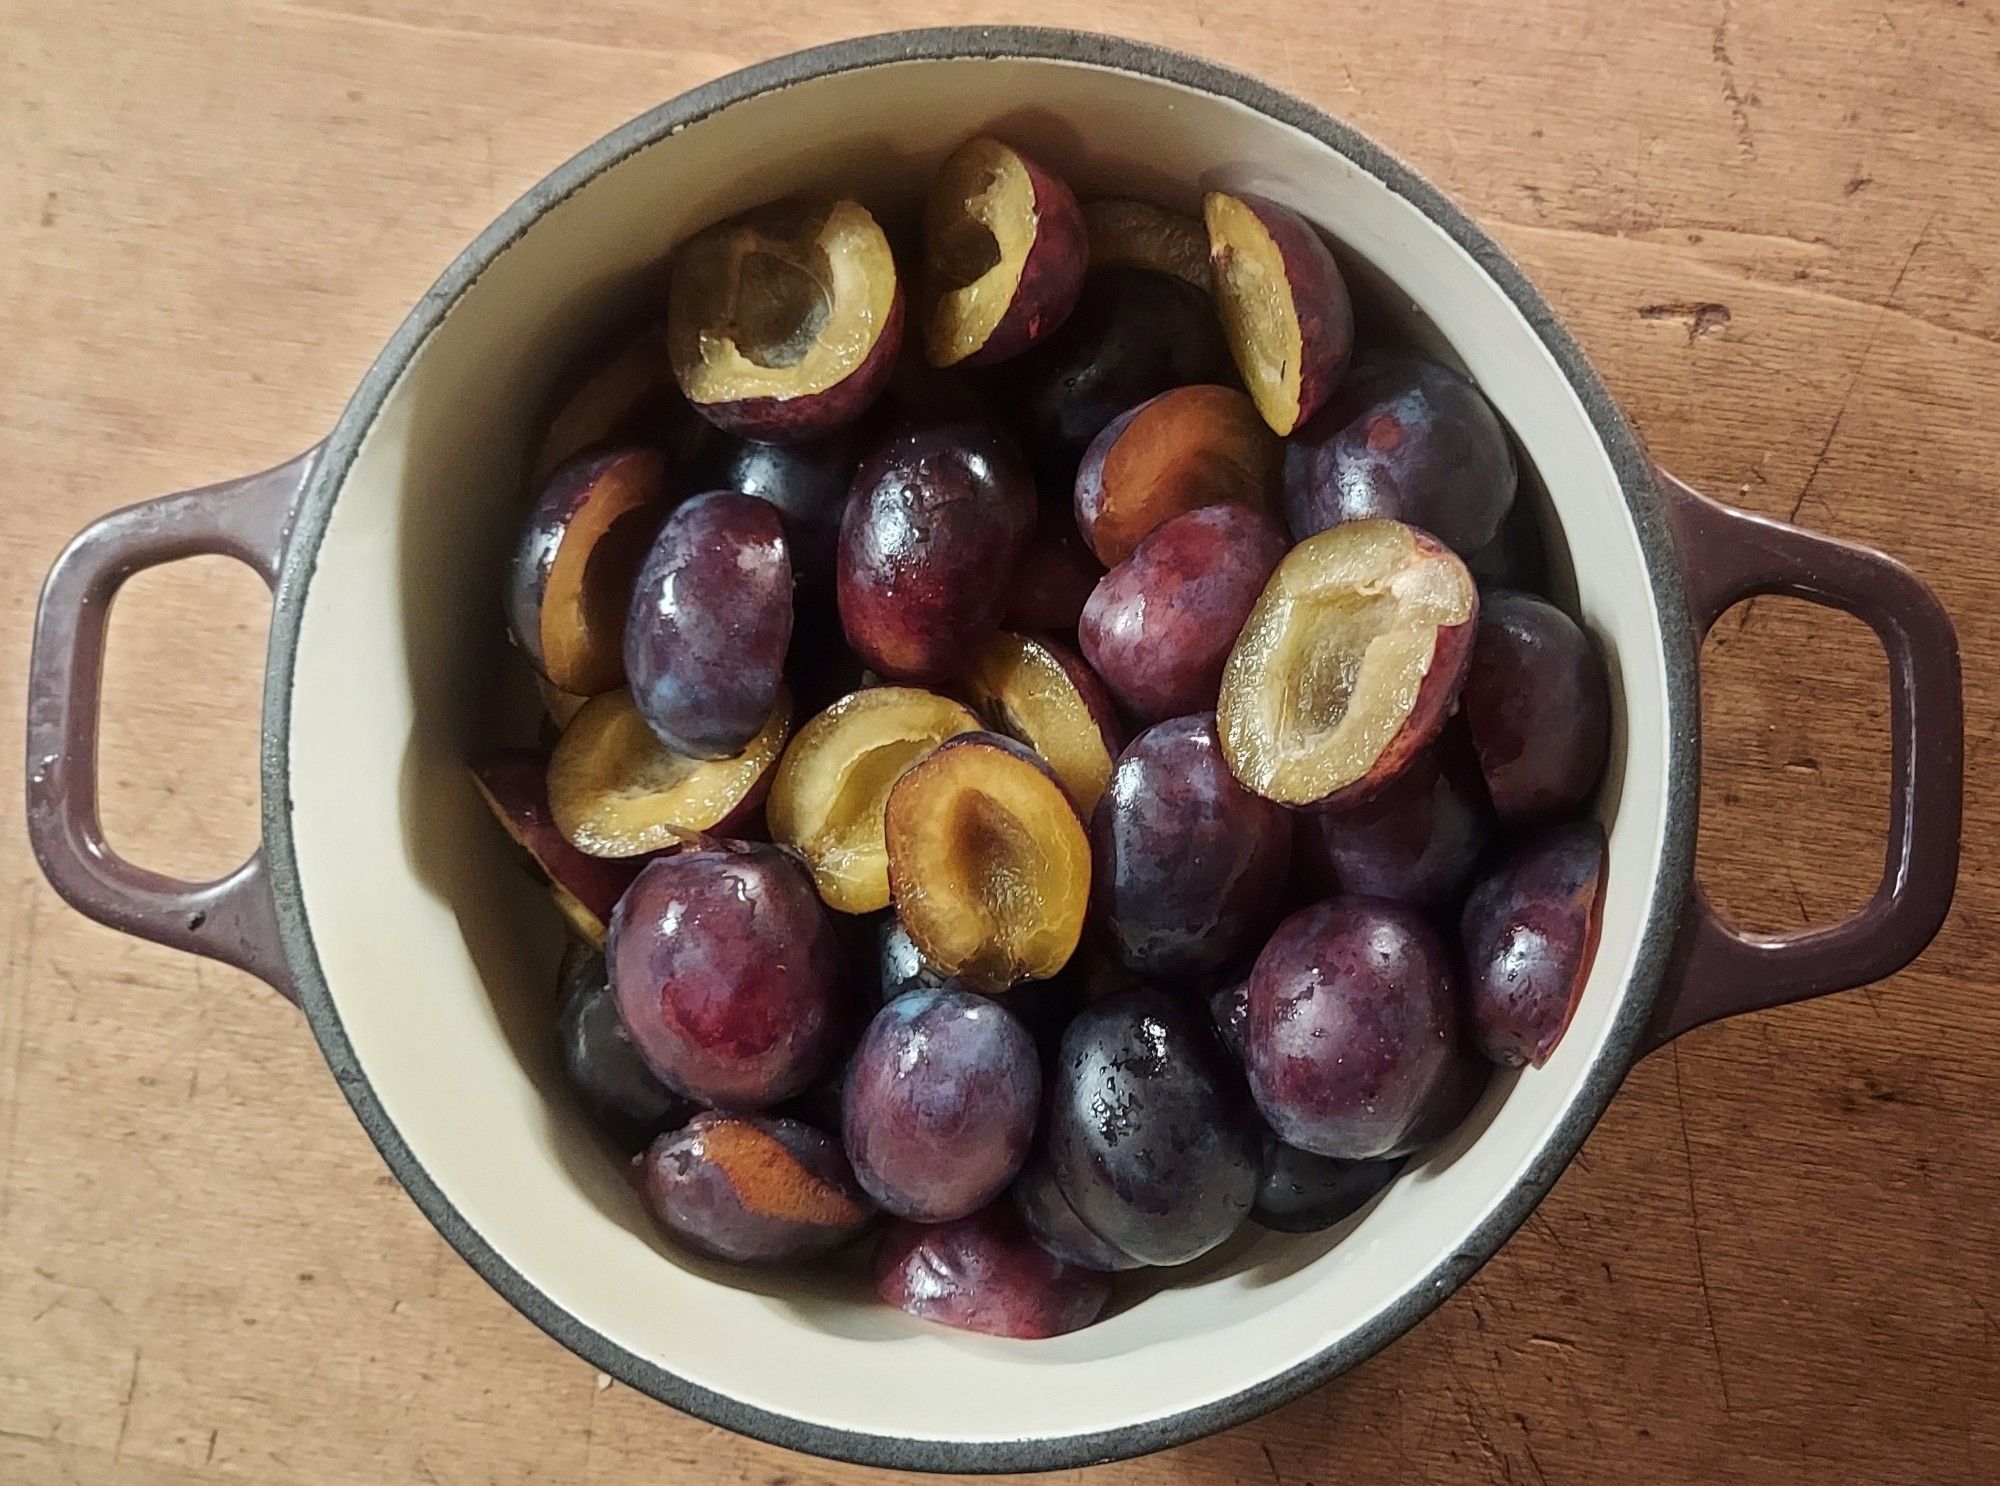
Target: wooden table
1771, 222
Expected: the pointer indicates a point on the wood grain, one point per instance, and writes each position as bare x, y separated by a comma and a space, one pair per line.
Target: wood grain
1770, 223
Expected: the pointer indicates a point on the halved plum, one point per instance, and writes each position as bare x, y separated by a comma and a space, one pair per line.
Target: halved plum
1189, 447
578, 556
1004, 253
1529, 932
988, 862
751, 1189
1538, 705
616, 791
515, 785
1137, 234
1284, 304
1349, 665
1160, 625
710, 623
623, 395
783, 323
986, 1273
1041, 693
1054, 580
560, 705
833, 784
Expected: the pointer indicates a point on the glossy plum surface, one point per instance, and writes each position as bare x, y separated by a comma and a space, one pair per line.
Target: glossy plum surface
986, 1273
726, 972
1150, 1132
1408, 439
623, 1096
1188, 867
1417, 838
806, 482
935, 524
1159, 627
751, 1189
1538, 705
902, 966
1229, 1009
1354, 1029
1054, 580
1054, 1223
1529, 932
710, 624
1298, 1192
940, 1104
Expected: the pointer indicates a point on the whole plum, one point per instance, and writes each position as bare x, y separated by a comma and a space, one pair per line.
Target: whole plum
752, 1190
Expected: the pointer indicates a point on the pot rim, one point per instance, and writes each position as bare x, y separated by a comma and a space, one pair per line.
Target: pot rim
1637, 478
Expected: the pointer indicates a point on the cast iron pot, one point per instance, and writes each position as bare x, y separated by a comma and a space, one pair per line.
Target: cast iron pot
383, 901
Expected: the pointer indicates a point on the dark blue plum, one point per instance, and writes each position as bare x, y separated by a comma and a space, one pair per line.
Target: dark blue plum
622, 1094
1298, 1192
1056, 1227
806, 482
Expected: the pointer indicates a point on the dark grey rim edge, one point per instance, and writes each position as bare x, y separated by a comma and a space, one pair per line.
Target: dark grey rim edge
1635, 474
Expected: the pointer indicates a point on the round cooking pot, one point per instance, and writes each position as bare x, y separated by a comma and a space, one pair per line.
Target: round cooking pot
383, 900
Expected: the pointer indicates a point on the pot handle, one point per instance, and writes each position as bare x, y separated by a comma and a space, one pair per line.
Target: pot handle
1728, 555
234, 918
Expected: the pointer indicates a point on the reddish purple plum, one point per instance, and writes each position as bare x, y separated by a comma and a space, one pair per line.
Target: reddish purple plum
1188, 867
1159, 627
710, 624
1055, 578
727, 975
986, 1273
1529, 932
1353, 1036
1538, 705
1417, 838
752, 1190
940, 1104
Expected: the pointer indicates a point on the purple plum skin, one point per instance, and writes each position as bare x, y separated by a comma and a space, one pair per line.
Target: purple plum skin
692, 1189
1149, 1129
710, 625
1319, 297
1353, 1034
1529, 931
623, 1096
1054, 1223
1409, 440
1229, 1009
1054, 580
1538, 705
806, 482
814, 415
935, 524
1051, 276
1159, 627
940, 1104
727, 975
1188, 867
1417, 838
986, 1273
1299, 1192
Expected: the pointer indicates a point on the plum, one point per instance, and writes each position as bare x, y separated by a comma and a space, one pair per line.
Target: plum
1135, 333
616, 791
574, 564
940, 1104
561, 706
1040, 692
833, 784
726, 971
986, 1273
515, 785
783, 324
1353, 1037
901, 966
1417, 838
1150, 1132
1054, 579
938, 517
1407, 439
1284, 304
1349, 665
1137, 234
1229, 1009
806, 482
989, 863
1189, 447
751, 1189
1538, 705
1159, 627
622, 1095
1529, 933
1299, 1192
1004, 254
1188, 867
1039, 1200
623, 393
710, 624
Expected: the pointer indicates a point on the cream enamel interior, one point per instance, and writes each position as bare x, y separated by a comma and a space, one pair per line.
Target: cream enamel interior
440, 957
